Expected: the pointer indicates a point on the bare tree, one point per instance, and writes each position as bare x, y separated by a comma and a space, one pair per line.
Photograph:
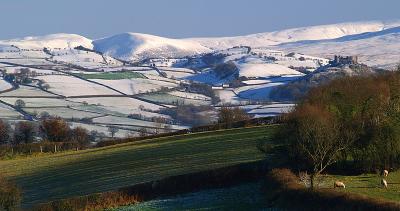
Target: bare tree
317, 137
113, 130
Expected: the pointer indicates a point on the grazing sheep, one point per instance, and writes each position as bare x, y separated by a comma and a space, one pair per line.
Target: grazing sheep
385, 173
384, 183
339, 184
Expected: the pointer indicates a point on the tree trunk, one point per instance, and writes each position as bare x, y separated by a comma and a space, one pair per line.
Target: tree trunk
312, 179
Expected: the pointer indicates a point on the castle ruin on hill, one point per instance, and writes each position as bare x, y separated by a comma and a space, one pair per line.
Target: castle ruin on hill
344, 60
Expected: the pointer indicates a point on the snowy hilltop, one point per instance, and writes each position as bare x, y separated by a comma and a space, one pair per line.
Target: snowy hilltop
376, 42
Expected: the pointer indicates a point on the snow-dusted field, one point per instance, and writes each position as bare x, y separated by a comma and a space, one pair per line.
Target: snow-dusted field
65, 113
41, 102
4, 85
71, 86
135, 85
27, 91
264, 70
104, 129
8, 113
188, 95
131, 122
120, 104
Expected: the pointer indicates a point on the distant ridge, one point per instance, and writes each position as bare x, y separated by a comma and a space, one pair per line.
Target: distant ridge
378, 40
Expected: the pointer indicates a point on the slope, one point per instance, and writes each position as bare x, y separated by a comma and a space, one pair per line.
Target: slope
297, 34
49, 41
135, 46
63, 175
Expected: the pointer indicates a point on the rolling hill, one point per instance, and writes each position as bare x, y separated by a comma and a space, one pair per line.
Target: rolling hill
63, 175
134, 46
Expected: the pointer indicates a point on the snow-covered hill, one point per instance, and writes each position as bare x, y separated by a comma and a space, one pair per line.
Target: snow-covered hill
134, 46
297, 34
376, 42
49, 41
379, 49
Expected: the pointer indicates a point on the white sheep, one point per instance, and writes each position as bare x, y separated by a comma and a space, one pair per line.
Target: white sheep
339, 184
385, 173
384, 183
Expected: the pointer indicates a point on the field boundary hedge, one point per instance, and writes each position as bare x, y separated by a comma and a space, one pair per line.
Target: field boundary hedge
208, 128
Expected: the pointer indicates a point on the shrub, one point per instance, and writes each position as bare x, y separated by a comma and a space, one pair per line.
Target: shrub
10, 195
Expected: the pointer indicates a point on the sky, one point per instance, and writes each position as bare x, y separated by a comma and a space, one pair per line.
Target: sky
181, 18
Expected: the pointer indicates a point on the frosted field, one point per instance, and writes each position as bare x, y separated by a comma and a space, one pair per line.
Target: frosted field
41, 102
64, 113
15, 69
4, 85
257, 92
131, 122
264, 70
124, 103
104, 129
272, 109
227, 97
135, 85
27, 91
256, 82
9, 113
24, 61
84, 59
188, 95
208, 76
242, 197
172, 99
71, 86
177, 72
39, 54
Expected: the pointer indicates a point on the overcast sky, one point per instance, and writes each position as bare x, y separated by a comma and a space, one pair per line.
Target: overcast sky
181, 18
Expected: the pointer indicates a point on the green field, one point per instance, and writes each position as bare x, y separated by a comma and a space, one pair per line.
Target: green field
112, 75
369, 185
63, 175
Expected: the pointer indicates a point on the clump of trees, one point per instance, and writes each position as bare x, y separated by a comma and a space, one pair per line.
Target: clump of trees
226, 69
51, 134
191, 114
353, 121
228, 115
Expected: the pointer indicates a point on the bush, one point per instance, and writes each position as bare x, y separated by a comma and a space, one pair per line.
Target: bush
10, 195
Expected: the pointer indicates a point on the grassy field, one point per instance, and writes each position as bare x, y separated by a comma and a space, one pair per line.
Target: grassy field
58, 176
112, 75
369, 185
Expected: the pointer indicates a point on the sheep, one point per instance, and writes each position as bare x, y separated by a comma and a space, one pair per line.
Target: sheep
339, 184
384, 183
385, 173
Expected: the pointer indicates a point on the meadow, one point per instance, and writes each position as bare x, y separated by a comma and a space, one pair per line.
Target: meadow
112, 75
368, 185
57, 176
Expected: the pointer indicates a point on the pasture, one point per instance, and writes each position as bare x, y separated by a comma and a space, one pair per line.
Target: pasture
368, 185
57, 176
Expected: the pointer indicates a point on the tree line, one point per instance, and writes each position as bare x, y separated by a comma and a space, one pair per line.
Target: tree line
48, 130
352, 123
